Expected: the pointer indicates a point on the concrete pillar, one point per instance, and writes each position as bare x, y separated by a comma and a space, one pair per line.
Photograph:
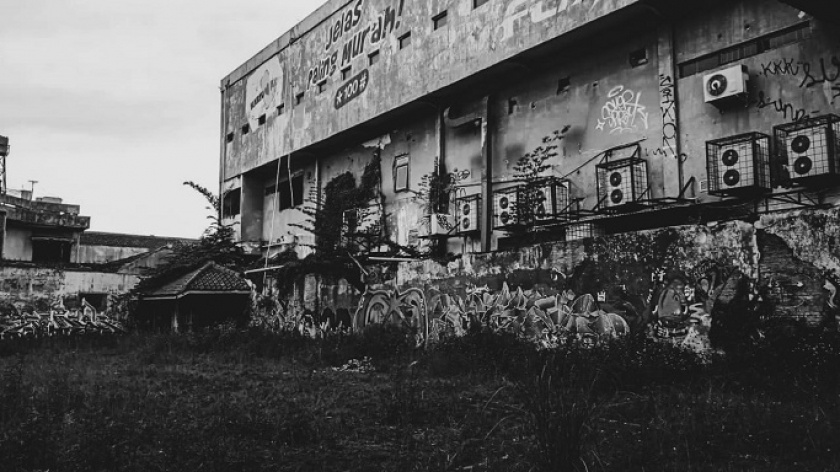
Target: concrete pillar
2, 231
486, 179
668, 163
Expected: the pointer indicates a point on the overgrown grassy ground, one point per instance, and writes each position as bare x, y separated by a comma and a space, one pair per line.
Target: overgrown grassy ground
231, 401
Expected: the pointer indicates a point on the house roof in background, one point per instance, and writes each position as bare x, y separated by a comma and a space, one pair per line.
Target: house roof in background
96, 238
210, 278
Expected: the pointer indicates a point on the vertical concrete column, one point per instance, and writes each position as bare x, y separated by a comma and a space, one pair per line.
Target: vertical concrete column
2, 231
486, 178
671, 164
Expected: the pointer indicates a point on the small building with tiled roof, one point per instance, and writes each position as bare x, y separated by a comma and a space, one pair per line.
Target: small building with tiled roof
206, 296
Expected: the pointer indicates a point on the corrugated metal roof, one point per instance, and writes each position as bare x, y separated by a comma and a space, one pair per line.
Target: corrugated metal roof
95, 238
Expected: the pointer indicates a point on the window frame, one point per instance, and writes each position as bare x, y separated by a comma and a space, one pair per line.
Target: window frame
402, 161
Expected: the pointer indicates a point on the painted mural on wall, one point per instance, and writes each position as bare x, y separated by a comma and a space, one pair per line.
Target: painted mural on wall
348, 37
58, 321
537, 11
264, 90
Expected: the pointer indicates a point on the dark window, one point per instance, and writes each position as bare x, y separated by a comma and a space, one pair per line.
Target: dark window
230, 206
478, 3
271, 190
750, 48
322, 86
401, 164
299, 98
281, 108
230, 137
291, 195
345, 73
638, 57
373, 57
563, 85
99, 301
405, 40
246, 129
51, 251
440, 20
261, 120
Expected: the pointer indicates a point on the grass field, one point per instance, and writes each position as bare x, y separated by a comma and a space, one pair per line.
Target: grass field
233, 400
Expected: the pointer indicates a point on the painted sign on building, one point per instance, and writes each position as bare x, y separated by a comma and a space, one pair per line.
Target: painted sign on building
264, 90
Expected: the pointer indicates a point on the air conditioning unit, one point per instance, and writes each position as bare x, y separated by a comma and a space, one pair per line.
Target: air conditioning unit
549, 198
809, 150
468, 214
505, 208
441, 224
738, 164
724, 85
622, 183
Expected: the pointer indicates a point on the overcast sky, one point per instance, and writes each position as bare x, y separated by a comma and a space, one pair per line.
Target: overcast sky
112, 104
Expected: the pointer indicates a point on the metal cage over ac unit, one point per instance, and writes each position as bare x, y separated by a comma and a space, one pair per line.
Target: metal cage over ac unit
807, 152
738, 165
506, 211
468, 214
622, 184
547, 200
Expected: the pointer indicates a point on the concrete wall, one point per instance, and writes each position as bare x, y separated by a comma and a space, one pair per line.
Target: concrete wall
785, 267
486, 35
18, 244
102, 254
40, 287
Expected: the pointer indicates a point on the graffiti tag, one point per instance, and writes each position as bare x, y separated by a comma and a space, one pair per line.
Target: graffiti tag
783, 107
812, 74
668, 106
623, 112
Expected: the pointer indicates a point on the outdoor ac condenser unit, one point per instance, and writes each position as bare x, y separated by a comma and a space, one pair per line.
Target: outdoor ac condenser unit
724, 85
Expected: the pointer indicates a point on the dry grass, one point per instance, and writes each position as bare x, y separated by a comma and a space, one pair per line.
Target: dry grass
232, 401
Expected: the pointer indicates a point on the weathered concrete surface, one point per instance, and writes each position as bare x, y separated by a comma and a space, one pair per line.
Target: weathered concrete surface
40, 287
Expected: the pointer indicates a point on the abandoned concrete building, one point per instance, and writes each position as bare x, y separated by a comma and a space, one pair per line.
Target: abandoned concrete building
47, 254
692, 137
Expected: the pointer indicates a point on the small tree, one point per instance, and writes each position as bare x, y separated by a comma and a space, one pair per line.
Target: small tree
216, 244
530, 168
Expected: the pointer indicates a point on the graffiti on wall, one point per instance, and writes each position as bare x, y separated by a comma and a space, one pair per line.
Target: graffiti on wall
537, 11
668, 107
348, 38
825, 73
58, 321
623, 112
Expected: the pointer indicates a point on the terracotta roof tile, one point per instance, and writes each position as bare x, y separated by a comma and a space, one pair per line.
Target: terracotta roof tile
208, 278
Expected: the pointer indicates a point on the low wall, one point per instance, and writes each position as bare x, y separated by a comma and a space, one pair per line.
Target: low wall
40, 287
785, 266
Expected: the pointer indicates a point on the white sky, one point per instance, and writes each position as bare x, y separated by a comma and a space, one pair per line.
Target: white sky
112, 104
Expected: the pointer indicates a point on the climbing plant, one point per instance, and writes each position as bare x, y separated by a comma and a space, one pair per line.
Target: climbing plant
530, 169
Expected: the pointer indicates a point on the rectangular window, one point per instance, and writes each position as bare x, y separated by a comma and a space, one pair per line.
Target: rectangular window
230, 204
291, 195
281, 108
246, 129
322, 86
440, 20
230, 137
345, 73
299, 98
373, 57
50, 250
261, 120
478, 3
405, 40
401, 164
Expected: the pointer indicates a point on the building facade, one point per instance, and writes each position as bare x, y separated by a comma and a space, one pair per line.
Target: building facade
662, 115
